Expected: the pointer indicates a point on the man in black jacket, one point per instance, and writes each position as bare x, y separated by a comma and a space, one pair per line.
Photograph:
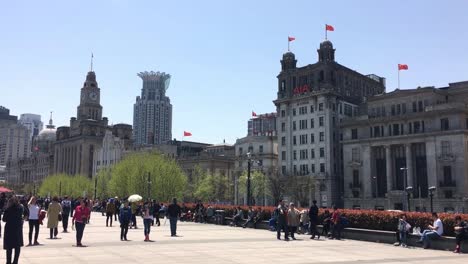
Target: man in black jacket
281, 212
313, 218
173, 212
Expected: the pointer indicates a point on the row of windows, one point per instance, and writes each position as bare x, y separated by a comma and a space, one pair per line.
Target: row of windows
349, 110
303, 139
304, 154
304, 169
251, 149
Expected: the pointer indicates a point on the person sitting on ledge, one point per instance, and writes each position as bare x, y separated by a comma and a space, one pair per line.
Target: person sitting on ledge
250, 217
461, 231
435, 231
237, 217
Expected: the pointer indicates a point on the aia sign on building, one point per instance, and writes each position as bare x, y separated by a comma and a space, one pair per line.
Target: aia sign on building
301, 89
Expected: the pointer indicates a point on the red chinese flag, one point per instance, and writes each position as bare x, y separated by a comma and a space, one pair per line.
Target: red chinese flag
187, 134
291, 39
254, 114
329, 27
402, 67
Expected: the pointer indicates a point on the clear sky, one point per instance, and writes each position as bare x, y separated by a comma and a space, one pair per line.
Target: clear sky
223, 55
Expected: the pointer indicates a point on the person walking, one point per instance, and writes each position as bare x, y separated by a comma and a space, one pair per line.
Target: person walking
125, 215
13, 236
293, 220
156, 208
173, 211
110, 211
3, 203
336, 224
54, 214
117, 204
80, 217
313, 220
281, 221
66, 209
147, 214
33, 218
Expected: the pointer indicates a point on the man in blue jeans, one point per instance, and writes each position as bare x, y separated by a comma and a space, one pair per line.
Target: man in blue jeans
173, 212
435, 231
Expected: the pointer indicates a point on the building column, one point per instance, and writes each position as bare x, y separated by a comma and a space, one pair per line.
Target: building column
431, 160
388, 167
366, 178
409, 165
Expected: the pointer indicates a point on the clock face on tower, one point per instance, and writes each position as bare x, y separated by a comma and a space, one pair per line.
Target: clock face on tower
93, 96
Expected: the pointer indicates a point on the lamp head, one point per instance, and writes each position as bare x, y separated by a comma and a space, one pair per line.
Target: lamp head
432, 188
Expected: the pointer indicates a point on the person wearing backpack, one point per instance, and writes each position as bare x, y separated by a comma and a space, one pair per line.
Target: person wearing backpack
66, 209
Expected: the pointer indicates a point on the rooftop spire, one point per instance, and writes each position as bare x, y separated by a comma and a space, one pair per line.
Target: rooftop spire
92, 57
50, 125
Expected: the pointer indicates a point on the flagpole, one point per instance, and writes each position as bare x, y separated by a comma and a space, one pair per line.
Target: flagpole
325, 31
398, 79
288, 43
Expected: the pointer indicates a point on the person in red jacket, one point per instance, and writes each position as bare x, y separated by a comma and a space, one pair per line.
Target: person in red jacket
336, 224
80, 217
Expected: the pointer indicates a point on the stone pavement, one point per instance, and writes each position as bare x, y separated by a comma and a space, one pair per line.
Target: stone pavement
206, 243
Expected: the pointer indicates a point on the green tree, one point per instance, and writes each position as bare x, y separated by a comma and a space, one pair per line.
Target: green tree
130, 176
102, 185
63, 184
258, 186
212, 187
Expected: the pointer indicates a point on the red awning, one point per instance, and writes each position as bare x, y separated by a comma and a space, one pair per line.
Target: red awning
4, 189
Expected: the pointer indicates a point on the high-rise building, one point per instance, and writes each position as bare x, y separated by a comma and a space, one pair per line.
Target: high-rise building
262, 125
76, 144
15, 141
311, 102
32, 122
152, 112
407, 146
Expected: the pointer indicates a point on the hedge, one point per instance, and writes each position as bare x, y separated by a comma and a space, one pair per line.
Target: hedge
365, 219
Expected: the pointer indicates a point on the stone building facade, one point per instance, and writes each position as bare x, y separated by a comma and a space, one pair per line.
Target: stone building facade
262, 125
415, 138
76, 144
310, 103
152, 112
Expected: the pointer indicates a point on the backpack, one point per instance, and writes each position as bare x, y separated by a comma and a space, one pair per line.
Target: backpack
344, 221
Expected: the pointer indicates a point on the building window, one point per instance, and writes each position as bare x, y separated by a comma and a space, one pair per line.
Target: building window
321, 121
312, 123
355, 178
294, 155
420, 106
283, 127
294, 140
294, 111
240, 151
294, 125
283, 141
312, 168
321, 136
303, 124
355, 155
312, 138
447, 175
396, 129
321, 107
354, 133
311, 108
303, 139
322, 152
283, 155
283, 113
260, 149
415, 107
312, 153
322, 167
393, 110
444, 124
446, 148
304, 154
303, 110
283, 170
295, 169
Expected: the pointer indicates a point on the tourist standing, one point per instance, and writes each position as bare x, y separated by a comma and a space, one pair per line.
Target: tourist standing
336, 224
66, 209
117, 207
293, 220
134, 208
156, 208
33, 218
80, 217
403, 229
3, 203
110, 211
54, 213
313, 219
13, 237
125, 215
281, 221
461, 232
147, 214
173, 211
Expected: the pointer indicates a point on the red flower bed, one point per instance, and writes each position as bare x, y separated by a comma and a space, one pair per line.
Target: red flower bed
365, 219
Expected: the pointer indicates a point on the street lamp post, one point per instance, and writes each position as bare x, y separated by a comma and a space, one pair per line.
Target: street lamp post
376, 190
409, 189
431, 194
149, 185
249, 166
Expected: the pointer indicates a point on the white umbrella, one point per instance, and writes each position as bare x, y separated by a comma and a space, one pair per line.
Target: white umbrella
134, 198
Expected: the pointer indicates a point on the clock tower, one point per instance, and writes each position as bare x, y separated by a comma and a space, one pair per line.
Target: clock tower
90, 107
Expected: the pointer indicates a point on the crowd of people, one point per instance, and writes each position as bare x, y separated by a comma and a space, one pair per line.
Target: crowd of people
284, 219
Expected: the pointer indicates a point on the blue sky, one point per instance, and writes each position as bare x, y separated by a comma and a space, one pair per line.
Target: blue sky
223, 55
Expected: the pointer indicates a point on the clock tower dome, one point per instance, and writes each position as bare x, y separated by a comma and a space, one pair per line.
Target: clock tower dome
90, 107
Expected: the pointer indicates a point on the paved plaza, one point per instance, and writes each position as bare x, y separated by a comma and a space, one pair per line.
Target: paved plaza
206, 243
